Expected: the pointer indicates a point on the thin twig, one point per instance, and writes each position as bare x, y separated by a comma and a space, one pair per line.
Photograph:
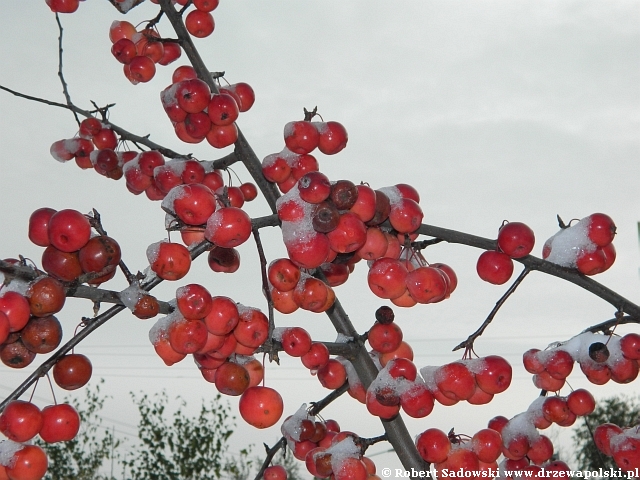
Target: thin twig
273, 353
124, 134
271, 452
317, 407
468, 343
606, 326
365, 443
65, 88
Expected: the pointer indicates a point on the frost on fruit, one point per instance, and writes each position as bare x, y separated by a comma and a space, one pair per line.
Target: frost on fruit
292, 427
175, 166
161, 327
568, 243
168, 96
578, 348
131, 295
475, 365
8, 449
174, 194
15, 285
520, 426
352, 375
393, 193
342, 450
153, 250
385, 381
428, 374
278, 332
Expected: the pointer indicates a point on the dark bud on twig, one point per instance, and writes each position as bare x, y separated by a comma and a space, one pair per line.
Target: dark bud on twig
344, 194
598, 352
325, 217
385, 315
383, 208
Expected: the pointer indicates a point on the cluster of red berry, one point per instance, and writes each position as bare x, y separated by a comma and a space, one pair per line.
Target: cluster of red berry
301, 138
292, 289
515, 240
585, 246
475, 380
94, 147
601, 358
326, 451
139, 51
21, 421
623, 444
197, 114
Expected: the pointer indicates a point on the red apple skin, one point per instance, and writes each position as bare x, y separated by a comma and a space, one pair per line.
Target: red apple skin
261, 407
60, 423
16, 308
39, 225
69, 230
72, 371
172, 261
20, 421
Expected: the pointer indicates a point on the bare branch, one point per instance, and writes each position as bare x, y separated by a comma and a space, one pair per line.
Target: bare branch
243, 150
468, 343
65, 89
271, 452
273, 353
124, 134
605, 327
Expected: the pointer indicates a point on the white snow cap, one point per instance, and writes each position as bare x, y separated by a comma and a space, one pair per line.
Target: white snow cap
578, 348
153, 250
292, 427
131, 295
342, 450
570, 242
161, 327
8, 448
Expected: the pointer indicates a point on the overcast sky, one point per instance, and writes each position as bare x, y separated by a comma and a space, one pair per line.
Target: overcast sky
493, 110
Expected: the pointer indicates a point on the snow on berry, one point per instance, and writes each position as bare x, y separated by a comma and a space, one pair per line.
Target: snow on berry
278, 332
153, 251
8, 449
292, 427
131, 295
174, 194
342, 450
566, 245
161, 327
393, 193
15, 285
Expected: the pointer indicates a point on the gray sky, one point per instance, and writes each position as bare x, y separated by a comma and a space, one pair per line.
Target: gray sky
492, 110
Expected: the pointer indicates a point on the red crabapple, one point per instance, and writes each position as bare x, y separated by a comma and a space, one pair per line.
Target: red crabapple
301, 137
516, 239
199, 23
261, 407
494, 267
69, 230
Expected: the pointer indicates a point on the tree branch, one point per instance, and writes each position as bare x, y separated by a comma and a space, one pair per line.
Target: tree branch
91, 326
243, 150
65, 89
273, 353
124, 134
534, 263
468, 343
